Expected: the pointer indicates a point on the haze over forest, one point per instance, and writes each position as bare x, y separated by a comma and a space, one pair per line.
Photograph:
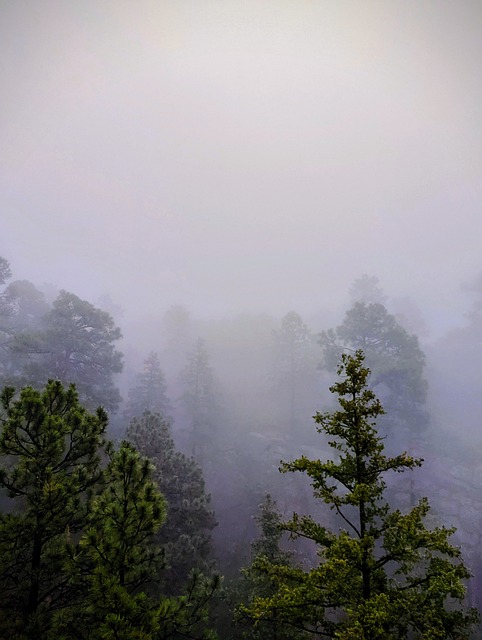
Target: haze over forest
249, 189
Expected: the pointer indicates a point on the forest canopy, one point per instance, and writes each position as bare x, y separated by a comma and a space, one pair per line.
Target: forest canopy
119, 516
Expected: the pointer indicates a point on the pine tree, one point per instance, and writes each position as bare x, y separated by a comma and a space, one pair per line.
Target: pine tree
295, 365
76, 345
150, 390
117, 560
367, 289
186, 534
256, 583
6, 313
384, 575
50, 467
118, 566
396, 361
198, 398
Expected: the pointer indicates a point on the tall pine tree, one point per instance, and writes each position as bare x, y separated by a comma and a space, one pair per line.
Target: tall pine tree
186, 534
199, 399
50, 468
384, 575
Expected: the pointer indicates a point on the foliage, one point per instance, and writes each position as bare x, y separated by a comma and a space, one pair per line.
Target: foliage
116, 558
384, 575
27, 303
76, 346
393, 355
268, 543
79, 557
50, 467
150, 390
367, 289
72, 342
256, 582
199, 398
5, 270
6, 310
294, 363
186, 534
24, 307
118, 565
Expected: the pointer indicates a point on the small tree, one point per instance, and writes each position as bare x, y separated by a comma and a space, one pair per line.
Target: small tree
384, 575
6, 311
150, 390
256, 583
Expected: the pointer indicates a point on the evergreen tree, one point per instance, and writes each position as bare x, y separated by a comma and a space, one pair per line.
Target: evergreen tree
118, 566
269, 521
294, 363
366, 289
117, 561
25, 308
198, 398
76, 345
5, 270
256, 583
384, 575
395, 359
50, 467
107, 584
150, 390
186, 534
27, 303
6, 311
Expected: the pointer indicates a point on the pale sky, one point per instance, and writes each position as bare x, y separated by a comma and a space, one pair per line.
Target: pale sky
242, 154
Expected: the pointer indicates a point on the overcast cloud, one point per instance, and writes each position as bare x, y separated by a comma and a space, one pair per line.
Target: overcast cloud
234, 154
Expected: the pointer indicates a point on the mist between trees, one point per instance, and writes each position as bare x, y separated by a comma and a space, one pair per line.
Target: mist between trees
163, 513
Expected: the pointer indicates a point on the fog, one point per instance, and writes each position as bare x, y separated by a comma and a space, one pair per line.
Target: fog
243, 156
227, 170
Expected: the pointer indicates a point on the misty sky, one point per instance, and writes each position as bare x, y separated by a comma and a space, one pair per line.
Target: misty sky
242, 154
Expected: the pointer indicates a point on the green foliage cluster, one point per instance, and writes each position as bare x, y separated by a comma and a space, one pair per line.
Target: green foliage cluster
71, 341
78, 552
186, 534
76, 345
256, 583
384, 574
150, 391
51, 452
394, 357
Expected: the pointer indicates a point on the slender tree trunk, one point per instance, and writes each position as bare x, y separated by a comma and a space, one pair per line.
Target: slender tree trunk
34, 590
33, 594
